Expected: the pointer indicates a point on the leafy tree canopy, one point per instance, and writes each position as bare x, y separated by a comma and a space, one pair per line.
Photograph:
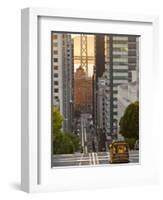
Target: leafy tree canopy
63, 143
57, 120
129, 123
66, 143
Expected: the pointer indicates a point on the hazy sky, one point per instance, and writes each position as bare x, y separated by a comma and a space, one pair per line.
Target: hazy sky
90, 40
90, 51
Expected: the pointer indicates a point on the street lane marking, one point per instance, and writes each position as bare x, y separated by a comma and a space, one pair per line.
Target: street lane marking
93, 158
82, 134
90, 159
85, 135
96, 157
81, 159
85, 138
86, 149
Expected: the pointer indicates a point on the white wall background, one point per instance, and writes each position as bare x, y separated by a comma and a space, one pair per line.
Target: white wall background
10, 97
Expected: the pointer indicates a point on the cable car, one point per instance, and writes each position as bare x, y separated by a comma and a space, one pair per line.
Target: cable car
119, 152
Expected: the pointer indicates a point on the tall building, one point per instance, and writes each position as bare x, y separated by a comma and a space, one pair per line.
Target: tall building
57, 71
82, 91
101, 114
63, 68
121, 60
99, 69
99, 55
127, 94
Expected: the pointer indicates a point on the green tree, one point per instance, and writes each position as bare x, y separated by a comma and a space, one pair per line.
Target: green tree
131, 142
66, 143
57, 121
63, 143
129, 123
75, 140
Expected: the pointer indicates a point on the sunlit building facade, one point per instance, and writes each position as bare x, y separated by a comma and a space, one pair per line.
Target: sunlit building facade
63, 69
82, 91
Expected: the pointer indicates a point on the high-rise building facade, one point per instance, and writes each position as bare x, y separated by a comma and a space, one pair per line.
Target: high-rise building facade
116, 64
98, 88
63, 68
57, 71
121, 60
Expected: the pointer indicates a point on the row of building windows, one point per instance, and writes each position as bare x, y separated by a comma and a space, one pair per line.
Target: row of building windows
121, 70
118, 66
120, 49
120, 63
120, 74
120, 77
120, 53
125, 60
120, 56
120, 42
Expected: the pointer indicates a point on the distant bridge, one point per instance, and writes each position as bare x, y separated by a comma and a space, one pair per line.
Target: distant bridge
90, 58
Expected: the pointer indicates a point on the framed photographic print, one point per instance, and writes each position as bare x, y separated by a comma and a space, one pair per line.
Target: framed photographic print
86, 95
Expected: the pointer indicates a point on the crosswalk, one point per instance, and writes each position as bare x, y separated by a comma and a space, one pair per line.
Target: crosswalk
91, 159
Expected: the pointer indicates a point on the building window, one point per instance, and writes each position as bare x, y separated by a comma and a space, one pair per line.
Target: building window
55, 44
120, 42
55, 75
56, 90
55, 59
120, 77
131, 60
132, 39
55, 67
55, 82
55, 52
55, 36
115, 92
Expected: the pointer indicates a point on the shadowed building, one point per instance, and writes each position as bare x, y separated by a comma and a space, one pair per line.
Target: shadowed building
99, 69
121, 55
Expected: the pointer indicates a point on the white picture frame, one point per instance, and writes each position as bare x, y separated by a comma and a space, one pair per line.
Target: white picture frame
36, 171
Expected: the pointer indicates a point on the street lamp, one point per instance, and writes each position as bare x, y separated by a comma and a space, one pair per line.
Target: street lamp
71, 114
115, 129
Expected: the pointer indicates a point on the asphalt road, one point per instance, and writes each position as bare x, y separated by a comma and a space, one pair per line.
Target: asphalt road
90, 155
87, 135
90, 159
